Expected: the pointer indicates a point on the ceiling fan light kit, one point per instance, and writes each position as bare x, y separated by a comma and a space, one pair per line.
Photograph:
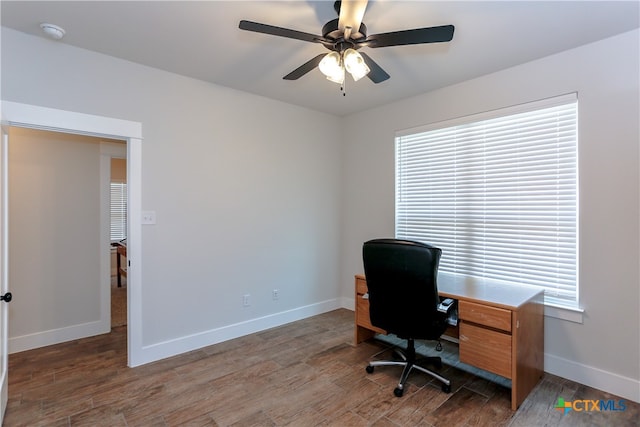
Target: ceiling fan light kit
355, 65
334, 64
339, 36
331, 67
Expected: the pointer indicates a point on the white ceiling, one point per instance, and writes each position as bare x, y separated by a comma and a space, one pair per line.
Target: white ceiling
201, 39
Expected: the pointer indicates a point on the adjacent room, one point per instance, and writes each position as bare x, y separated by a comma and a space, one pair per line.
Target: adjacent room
187, 189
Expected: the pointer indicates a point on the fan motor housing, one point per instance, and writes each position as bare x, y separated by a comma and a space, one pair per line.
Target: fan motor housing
331, 31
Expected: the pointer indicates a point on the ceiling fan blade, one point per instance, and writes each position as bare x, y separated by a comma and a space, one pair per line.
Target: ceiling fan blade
304, 68
351, 14
377, 74
443, 33
282, 32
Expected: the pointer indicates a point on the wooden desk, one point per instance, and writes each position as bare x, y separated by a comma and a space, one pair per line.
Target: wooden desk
121, 250
501, 329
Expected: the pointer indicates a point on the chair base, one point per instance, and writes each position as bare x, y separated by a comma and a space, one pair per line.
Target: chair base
409, 363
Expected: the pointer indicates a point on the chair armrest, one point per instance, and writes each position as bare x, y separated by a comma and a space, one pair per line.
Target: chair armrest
449, 307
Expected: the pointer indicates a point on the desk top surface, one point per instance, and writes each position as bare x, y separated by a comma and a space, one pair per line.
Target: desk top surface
485, 291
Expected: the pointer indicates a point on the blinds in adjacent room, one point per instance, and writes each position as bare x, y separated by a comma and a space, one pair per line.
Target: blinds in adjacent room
118, 211
498, 194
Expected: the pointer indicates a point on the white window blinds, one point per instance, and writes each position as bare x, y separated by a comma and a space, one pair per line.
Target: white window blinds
498, 195
118, 211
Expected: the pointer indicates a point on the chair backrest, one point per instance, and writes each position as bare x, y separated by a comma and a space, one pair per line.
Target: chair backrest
402, 284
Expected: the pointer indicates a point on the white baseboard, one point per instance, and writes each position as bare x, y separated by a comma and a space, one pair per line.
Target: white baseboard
181, 345
57, 336
348, 303
627, 388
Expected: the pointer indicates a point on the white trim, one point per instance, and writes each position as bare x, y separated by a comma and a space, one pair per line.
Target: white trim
105, 243
4, 270
348, 303
506, 111
35, 117
628, 388
55, 336
134, 252
570, 314
184, 344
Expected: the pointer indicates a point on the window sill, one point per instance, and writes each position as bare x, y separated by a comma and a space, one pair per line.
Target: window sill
564, 313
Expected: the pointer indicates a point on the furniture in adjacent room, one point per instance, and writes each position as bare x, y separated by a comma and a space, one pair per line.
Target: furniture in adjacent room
500, 329
121, 269
403, 300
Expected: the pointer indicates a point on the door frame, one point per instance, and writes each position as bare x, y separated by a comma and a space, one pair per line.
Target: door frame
4, 275
44, 118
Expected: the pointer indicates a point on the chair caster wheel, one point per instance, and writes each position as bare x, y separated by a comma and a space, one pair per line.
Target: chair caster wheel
398, 392
446, 388
369, 369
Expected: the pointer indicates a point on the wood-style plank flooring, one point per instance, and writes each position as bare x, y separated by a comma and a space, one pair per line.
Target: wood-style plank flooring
305, 373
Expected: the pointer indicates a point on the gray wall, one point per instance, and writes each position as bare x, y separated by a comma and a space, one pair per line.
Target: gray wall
245, 188
54, 251
604, 350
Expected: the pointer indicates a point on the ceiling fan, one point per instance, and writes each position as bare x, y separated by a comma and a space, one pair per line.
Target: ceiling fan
344, 36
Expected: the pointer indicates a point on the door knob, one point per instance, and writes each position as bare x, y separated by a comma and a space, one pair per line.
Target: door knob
6, 297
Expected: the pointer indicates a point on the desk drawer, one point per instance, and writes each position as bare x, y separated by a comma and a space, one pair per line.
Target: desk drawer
486, 349
363, 318
361, 286
485, 315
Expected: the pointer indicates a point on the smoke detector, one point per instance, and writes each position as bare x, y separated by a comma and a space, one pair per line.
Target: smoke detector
52, 31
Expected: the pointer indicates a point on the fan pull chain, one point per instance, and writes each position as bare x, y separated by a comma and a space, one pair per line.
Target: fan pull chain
343, 86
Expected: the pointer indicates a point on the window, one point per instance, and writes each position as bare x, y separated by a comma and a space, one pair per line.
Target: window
498, 194
118, 211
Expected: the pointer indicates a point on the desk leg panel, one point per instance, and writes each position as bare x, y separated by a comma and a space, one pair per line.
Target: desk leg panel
528, 351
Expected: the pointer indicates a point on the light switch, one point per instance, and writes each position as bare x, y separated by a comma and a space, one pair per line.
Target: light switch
148, 217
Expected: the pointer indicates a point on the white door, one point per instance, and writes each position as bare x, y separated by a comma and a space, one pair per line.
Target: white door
4, 272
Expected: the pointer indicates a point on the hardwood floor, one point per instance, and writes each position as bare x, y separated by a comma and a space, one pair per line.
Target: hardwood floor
305, 373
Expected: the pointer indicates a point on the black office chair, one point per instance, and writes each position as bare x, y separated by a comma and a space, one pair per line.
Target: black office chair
403, 300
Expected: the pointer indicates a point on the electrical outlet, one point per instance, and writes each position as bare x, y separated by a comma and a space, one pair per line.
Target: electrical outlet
246, 300
275, 294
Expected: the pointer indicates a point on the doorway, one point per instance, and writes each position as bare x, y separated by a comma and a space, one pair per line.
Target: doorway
59, 224
36, 117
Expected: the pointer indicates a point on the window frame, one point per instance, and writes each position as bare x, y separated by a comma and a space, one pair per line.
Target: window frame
568, 311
